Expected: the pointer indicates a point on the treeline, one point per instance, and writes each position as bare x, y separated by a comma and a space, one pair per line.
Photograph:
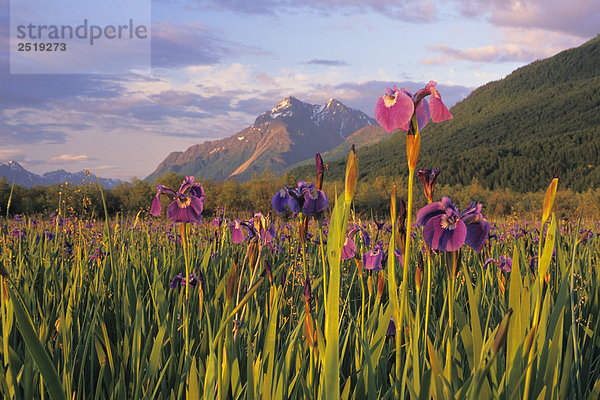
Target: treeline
242, 199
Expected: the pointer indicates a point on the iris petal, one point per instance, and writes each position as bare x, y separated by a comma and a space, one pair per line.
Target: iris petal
197, 191
314, 202
430, 211
196, 204
372, 259
349, 249
156, 207
182, 214
396, 114
442, 239
477, 234
293, 205
439, 112
161, 189
422, 113
280, 200
237, 233
453, 240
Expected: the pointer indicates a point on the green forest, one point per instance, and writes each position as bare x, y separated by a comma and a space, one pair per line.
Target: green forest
240, 200
510, 134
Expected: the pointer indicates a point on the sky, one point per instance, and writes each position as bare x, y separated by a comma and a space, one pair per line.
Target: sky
214, 65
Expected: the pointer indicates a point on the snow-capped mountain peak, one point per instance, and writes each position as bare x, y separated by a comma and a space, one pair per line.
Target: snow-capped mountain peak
290, 132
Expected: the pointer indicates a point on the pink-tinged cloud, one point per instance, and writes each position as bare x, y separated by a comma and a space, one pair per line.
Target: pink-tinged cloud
265, 79
12, 154
575, 17
521, 45
68, 158
500, 53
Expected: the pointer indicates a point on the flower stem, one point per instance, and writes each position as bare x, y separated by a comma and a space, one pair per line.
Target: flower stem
182, 230
450, 329
322, 249
302, 225
428, 296
404, 285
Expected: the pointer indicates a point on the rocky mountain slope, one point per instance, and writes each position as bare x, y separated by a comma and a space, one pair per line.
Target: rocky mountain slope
291, 132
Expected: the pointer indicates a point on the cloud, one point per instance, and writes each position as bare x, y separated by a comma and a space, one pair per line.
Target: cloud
181, 44
176, 45
260, 103
577, 17
68, 158
492, 54
330, 63
214, 105
265, 79
26, 133
410, 10
12, 154
520, 45
37, 90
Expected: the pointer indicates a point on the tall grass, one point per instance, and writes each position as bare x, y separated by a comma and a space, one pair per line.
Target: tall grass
98, 298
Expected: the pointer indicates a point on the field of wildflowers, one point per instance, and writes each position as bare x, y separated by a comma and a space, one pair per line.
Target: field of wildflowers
306, 300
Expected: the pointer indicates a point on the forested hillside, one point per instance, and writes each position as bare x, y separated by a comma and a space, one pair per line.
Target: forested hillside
513, 133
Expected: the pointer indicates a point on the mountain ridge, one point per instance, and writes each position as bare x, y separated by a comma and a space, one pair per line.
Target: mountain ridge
13, 171
289, 133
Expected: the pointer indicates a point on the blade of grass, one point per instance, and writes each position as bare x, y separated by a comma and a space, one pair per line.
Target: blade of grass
38, 353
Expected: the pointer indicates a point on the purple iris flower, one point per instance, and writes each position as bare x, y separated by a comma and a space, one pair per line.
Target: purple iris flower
504, 263
261, 227
349, 249
445, 229
315, 201
394, 110
17, 233
186, 204
478, 227
180, 279
237, 233
372, 259
365, 235
303, 198
269, 236
280, 201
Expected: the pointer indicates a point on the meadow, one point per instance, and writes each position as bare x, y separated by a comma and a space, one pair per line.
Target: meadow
304, 300
107, 307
